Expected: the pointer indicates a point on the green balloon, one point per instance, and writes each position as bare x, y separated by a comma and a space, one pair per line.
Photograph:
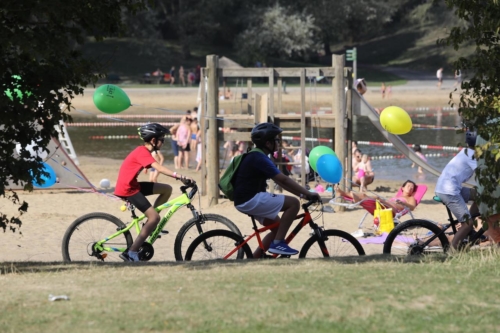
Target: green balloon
111, 99
317, 152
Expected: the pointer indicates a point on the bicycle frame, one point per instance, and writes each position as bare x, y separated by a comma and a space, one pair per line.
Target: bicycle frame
183, 200
306, 219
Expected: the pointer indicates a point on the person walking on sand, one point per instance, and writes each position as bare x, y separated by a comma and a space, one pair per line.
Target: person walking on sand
175, 147
182, 80
153, 173
172, 75
183, 141
439, 75
198, 150
382, 88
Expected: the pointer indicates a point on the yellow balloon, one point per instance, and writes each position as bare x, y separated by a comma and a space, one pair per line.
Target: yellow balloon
395, 120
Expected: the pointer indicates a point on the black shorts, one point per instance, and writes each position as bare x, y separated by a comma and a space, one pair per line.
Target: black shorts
139, 199
188, 148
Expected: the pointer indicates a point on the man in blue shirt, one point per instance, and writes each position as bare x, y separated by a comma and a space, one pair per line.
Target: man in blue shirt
250, 196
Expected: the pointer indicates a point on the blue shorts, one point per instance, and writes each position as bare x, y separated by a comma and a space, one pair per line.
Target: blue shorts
193, 136
175, 147
457, 204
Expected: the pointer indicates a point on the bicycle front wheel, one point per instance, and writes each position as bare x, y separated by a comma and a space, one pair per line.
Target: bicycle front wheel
189, 231
78, 241
411, 238
335, 243
217, 244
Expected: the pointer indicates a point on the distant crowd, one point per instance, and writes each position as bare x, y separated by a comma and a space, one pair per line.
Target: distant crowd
183, 77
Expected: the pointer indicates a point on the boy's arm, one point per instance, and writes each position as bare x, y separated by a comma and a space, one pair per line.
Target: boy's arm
168, 172
291, 186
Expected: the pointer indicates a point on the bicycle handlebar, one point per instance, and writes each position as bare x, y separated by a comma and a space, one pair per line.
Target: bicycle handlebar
309, 203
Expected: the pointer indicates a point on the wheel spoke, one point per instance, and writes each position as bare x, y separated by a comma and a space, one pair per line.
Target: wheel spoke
78, 243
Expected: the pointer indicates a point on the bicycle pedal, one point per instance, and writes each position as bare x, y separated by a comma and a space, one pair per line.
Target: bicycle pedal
164, 232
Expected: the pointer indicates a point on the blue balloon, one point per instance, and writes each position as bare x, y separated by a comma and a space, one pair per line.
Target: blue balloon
329, 168
46, 181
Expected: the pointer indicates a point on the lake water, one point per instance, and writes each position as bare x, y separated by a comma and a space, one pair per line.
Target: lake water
393, 169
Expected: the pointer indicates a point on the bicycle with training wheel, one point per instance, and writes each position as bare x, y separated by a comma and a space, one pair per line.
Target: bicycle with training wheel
225, 244
102, 236
417, 236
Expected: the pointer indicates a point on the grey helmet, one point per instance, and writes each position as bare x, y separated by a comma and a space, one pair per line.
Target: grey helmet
152, 130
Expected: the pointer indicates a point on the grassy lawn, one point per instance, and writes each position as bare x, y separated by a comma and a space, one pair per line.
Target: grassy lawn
372, 294
375, 77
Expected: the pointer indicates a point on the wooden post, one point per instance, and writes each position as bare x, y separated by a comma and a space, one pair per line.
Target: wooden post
202, 116
338, 109
303, 126
271, 95
256, 108
212, 131
249, 95
280, 84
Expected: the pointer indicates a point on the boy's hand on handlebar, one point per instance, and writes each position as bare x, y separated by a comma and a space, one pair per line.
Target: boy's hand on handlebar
186, 180
314, 196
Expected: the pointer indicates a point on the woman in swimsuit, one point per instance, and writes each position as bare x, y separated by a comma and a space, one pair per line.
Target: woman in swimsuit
398, 203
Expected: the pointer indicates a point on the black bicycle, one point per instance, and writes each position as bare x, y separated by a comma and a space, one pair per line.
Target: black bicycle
415, 237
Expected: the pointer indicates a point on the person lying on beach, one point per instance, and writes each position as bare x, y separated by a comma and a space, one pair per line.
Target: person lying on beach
397, 203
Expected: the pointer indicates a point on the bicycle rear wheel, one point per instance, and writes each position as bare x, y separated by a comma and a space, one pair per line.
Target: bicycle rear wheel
189, 231
336, 243
408, 238
85, 231
216, 244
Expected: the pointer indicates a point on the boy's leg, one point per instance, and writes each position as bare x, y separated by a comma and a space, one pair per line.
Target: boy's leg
140, 201
148, 228
164, 191
267, 239
291, 207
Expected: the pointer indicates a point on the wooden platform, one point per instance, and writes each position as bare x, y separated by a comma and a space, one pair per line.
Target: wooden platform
284, 120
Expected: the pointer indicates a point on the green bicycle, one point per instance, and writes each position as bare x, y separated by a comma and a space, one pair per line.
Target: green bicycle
102, 236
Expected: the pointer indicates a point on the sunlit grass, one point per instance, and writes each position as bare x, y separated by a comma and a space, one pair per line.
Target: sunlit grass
375, 293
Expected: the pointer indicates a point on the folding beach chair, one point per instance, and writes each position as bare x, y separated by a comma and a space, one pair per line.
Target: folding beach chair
369, 204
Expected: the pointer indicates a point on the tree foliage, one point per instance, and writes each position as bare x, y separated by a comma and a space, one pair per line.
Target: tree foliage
40, 43
277, 32
479, 103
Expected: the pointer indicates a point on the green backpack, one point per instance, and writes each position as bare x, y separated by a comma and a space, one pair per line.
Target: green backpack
225, 184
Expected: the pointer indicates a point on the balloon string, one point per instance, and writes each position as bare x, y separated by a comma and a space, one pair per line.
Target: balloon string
93, 190
71, 171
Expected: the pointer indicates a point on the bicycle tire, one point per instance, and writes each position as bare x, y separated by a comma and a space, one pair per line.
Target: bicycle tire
88, 229
338, 244
188, 232
224, 239
409, 233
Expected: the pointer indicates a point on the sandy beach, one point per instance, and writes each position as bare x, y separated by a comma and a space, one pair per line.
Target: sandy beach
52, 211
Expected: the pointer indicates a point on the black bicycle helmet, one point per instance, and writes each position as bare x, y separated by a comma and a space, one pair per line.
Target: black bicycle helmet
152, 130
264, 132
470, 138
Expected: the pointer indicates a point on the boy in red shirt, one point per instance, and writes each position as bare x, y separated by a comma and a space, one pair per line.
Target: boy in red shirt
128, 188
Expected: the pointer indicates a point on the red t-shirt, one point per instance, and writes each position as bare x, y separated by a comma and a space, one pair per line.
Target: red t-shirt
127, 184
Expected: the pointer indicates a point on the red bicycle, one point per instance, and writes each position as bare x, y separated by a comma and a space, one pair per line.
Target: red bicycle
225, 244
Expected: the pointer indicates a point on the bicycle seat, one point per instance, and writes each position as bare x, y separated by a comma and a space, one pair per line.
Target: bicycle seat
438, 199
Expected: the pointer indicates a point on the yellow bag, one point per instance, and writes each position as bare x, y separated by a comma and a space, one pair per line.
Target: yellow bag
384, 215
